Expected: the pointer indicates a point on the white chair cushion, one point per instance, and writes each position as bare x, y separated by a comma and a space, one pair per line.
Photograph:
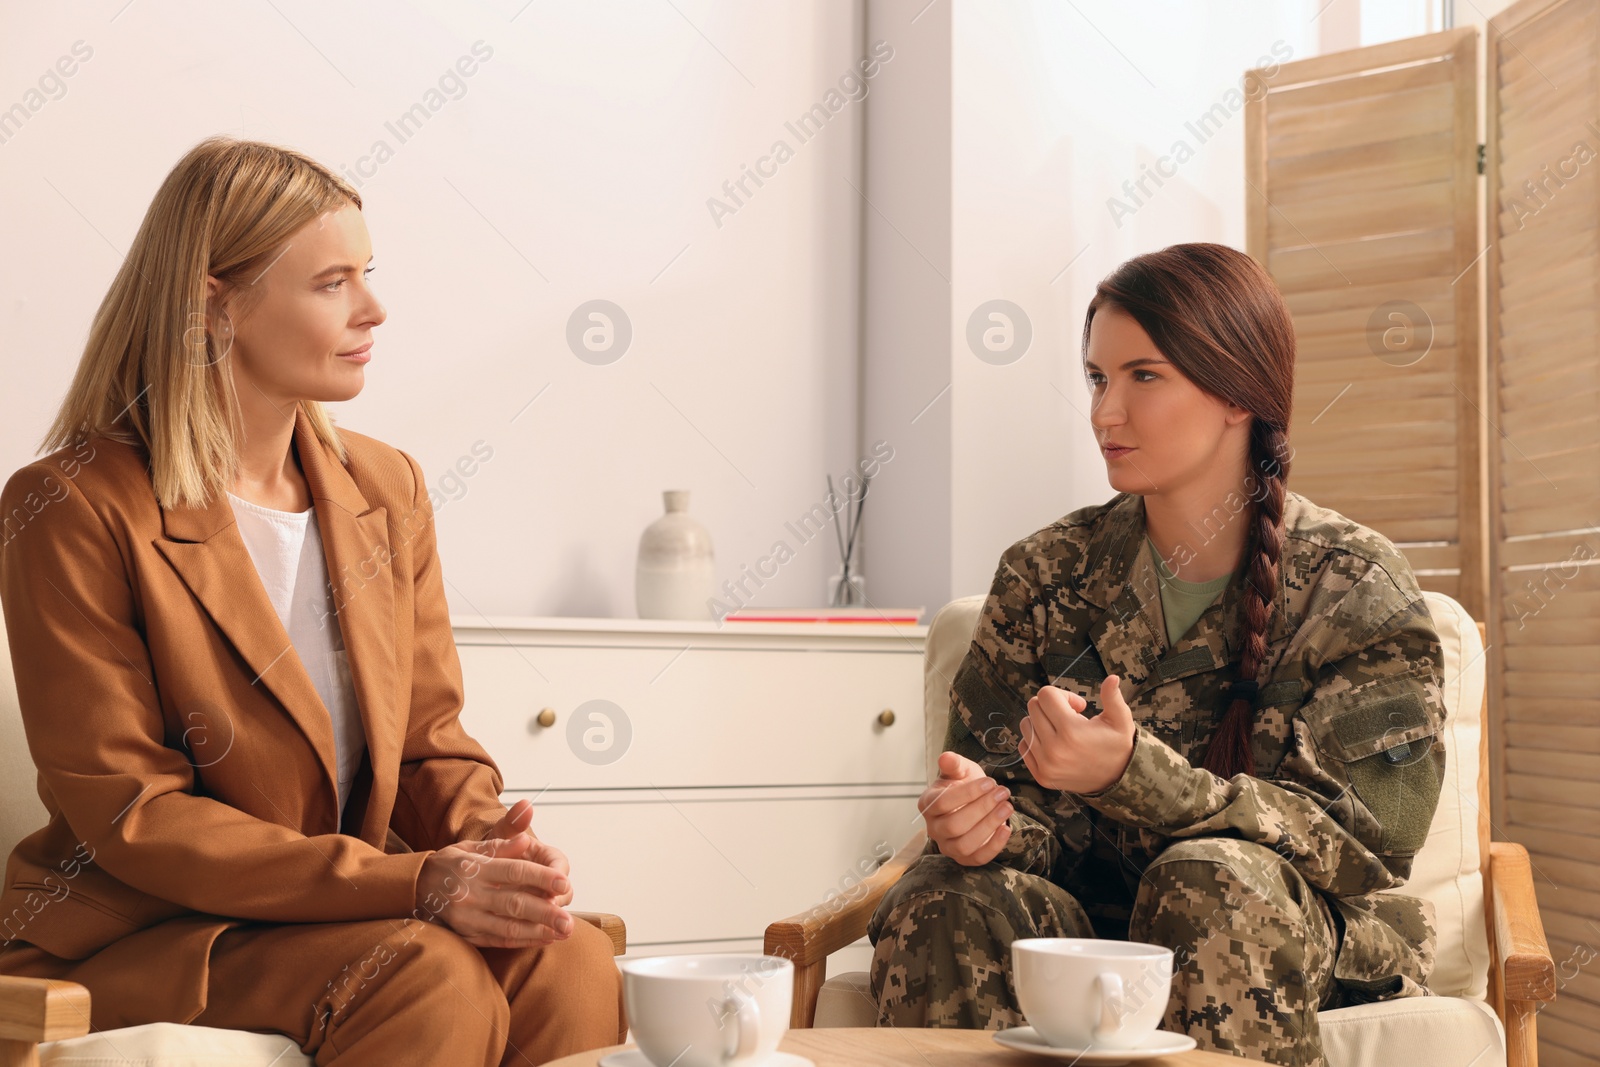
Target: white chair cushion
1447, 869
1436, 1031
845, 1000
21, 810
949, 637
173, 1045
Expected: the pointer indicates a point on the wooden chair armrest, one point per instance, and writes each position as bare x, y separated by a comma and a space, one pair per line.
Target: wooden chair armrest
1521, 954
610, 925
42, 1009
809, 937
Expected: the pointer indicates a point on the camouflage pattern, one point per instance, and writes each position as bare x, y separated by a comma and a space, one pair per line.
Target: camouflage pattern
1253, 945
1349, 760
945, 960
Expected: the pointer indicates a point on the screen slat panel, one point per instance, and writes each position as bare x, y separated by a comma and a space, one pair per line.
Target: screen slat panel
1543, 373
1363, 192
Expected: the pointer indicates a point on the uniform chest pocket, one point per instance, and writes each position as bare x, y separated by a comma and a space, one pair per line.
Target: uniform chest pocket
1391, 753
1077, 670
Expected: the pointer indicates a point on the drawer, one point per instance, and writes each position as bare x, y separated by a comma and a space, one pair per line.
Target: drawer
695, 866
670, 717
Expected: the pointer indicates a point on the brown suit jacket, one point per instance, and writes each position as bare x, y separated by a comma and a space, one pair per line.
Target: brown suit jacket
184, 755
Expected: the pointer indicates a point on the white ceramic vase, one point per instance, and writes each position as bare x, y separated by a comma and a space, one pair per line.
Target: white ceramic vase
676, 577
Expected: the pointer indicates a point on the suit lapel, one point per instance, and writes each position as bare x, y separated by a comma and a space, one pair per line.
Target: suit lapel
355, 543
204, 546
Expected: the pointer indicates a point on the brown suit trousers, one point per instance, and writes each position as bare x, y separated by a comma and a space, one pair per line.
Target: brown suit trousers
389, 991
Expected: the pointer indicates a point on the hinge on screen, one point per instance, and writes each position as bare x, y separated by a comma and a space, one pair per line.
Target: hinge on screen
1483, 157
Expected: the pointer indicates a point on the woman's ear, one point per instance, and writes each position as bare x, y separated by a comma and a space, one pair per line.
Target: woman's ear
214, 303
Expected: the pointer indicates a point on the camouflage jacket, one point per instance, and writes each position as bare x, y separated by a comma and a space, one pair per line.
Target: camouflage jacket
1347, 738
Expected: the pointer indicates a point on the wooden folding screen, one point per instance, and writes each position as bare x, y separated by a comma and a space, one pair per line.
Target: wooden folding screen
1543, 132
1362, 202
1362, 171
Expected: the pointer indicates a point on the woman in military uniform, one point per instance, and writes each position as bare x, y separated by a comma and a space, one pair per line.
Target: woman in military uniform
1204, 714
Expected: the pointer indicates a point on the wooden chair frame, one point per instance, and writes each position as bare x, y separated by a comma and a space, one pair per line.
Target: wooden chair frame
1522, 975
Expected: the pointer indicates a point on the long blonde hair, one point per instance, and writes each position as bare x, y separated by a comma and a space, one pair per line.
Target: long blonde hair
152, 373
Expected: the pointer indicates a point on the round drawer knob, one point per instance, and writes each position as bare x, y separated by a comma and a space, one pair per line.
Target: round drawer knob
886, 717
546, 717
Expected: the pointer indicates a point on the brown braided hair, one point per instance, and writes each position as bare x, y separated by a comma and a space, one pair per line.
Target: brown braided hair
1218, 316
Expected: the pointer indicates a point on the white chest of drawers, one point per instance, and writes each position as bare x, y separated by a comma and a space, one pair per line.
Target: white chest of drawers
703, 780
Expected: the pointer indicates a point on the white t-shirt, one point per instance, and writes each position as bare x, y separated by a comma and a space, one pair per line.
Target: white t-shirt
287, 550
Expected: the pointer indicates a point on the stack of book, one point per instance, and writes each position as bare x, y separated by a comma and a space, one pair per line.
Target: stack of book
900, 616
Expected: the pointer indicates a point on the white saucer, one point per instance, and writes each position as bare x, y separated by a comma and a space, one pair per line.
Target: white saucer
632, 1057
1027, 1039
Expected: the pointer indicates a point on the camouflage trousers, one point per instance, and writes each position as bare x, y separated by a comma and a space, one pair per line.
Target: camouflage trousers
1253, 945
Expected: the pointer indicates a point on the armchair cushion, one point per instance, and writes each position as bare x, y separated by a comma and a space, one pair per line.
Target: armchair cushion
1431, 1030
1448, 870
173, 1045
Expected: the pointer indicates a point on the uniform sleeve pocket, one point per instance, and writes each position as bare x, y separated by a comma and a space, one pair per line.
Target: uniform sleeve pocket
1389, 747
979, 707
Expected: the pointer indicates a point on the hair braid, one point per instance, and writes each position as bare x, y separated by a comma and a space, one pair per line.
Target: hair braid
1230, 752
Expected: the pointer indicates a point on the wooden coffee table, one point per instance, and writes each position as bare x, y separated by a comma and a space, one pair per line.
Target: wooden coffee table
893, 1047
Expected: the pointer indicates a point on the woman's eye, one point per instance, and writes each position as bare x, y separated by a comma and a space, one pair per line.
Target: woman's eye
1095, 378
334, 285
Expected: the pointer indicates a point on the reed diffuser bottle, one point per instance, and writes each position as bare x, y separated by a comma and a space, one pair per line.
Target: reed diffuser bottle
847, 589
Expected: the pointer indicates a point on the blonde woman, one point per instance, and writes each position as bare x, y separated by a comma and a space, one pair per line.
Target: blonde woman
238, 680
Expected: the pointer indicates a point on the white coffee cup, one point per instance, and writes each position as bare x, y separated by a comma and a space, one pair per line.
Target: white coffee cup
713, 1010
1084, 992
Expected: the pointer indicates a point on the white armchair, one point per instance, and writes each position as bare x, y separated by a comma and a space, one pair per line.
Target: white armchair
1493, 968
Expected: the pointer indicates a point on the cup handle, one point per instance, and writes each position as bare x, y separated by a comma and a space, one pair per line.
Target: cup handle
1112, 1003
747, 1023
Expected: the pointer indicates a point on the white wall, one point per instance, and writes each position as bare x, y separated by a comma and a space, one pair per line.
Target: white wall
575, 163
1054, 108
906, 399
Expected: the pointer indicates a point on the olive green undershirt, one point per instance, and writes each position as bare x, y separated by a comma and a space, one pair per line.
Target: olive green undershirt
1182, 603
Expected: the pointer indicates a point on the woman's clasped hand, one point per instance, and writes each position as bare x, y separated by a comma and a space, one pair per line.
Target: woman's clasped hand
509, 890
